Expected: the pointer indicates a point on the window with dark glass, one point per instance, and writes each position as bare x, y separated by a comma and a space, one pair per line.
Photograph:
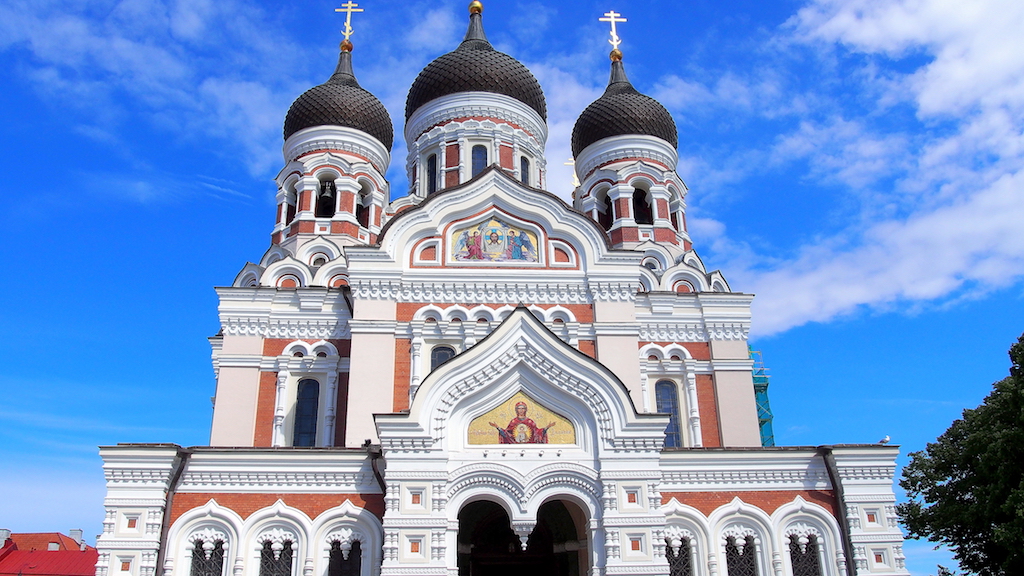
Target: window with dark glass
431, 174
441, 354
344, 562
363, 215
524, 170
740, 557
641, 208
680, 563
605, 218
804, 556
668, 403
290, 211
276, 562
326, 200
479, 154
207, 558
307, 399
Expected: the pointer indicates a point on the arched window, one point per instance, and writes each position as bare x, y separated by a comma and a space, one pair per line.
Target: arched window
290, 210
441, 354
326, 200
740, 556
667, 401
344, 562
307, 399
606, 218
641, 208
431, 174
207, 557
479, 154
276, 562
524, 170
803, 551
363, 215
679, 562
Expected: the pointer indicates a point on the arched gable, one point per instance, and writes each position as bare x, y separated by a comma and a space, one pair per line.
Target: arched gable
522, 355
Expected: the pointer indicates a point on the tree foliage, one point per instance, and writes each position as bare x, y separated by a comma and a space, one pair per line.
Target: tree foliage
967, 487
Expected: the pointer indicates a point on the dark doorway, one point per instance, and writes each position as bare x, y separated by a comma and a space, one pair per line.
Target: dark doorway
488, 546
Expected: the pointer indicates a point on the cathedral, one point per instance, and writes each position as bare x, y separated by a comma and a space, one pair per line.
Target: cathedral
478, 378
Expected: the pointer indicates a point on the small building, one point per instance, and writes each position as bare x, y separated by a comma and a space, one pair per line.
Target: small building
46, 554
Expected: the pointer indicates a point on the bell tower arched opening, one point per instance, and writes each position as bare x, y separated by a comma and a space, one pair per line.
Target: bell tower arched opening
557, 546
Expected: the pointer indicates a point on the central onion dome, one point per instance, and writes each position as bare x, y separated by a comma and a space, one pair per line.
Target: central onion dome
341, 102
621, 110
475, 66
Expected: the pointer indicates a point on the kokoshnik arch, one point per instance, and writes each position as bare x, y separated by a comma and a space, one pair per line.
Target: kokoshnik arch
479, 378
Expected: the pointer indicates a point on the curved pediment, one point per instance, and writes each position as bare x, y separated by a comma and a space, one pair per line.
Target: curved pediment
493, 221
577, 401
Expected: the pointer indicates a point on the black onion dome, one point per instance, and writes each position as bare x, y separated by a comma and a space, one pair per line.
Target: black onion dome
475, 66
341, 102
622, 110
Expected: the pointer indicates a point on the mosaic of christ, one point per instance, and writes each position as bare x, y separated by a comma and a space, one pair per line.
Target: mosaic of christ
493, 241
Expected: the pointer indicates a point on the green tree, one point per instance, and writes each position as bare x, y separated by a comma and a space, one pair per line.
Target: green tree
967, 488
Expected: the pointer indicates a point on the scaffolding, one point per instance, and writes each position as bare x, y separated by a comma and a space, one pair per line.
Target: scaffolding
764, 409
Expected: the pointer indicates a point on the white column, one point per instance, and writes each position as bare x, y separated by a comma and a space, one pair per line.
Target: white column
279, 409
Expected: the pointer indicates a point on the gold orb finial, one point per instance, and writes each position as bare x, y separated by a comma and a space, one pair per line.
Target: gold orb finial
346, 45
476, 7
616, 55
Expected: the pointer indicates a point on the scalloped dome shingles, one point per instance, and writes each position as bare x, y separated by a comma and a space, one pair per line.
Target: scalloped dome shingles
341, 102
622, 110
475, 66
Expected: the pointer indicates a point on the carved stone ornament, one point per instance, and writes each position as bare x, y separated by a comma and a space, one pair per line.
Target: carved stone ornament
277, 538
205, 538
344, 537
674, 536
803, 532
739, 534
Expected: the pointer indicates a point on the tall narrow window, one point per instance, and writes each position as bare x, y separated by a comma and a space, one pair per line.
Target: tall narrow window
641, 208
740, 556
524, 170
345, 562
440, 354
305, 413
431, 174
290, 211
605, 218
276, 562
668, 403
479, 159
207, 557
804, 555
363, 215
680, 563
326, 200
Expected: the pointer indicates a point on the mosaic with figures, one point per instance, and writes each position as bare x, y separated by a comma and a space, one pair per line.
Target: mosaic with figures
521, 420
494, 240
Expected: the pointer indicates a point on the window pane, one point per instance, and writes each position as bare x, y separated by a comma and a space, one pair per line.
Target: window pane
739, 557
524, 170
207, 566
431, 174
305, 413
479, 159
667, 401
680, 564
441, 354
805, 558
641, 209
279, 564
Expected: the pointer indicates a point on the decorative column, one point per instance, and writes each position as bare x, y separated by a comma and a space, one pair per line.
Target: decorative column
279, 409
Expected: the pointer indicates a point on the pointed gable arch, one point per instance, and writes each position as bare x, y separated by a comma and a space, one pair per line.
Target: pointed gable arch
522, 356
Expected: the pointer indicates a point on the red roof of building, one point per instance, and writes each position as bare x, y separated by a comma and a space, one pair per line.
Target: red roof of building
29, 555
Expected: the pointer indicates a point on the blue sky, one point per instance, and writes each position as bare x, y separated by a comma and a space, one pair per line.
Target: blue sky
856, 164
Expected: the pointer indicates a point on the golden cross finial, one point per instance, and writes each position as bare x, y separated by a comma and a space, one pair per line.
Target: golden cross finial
349, 7
575, 178
613, 17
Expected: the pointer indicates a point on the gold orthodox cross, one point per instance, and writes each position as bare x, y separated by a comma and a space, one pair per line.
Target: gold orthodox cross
613, 17
350, 7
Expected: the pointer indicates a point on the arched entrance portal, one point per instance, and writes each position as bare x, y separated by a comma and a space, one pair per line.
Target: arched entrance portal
488, 546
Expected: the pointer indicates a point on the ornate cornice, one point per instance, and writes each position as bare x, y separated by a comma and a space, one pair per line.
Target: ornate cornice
326, 328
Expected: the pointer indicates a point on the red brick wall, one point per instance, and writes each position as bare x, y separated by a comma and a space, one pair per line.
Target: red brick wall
589, 347
699, 350
276, 346
708, 411
245, 504
505, 155
767, 500
451, 160
263, 436
403, 373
